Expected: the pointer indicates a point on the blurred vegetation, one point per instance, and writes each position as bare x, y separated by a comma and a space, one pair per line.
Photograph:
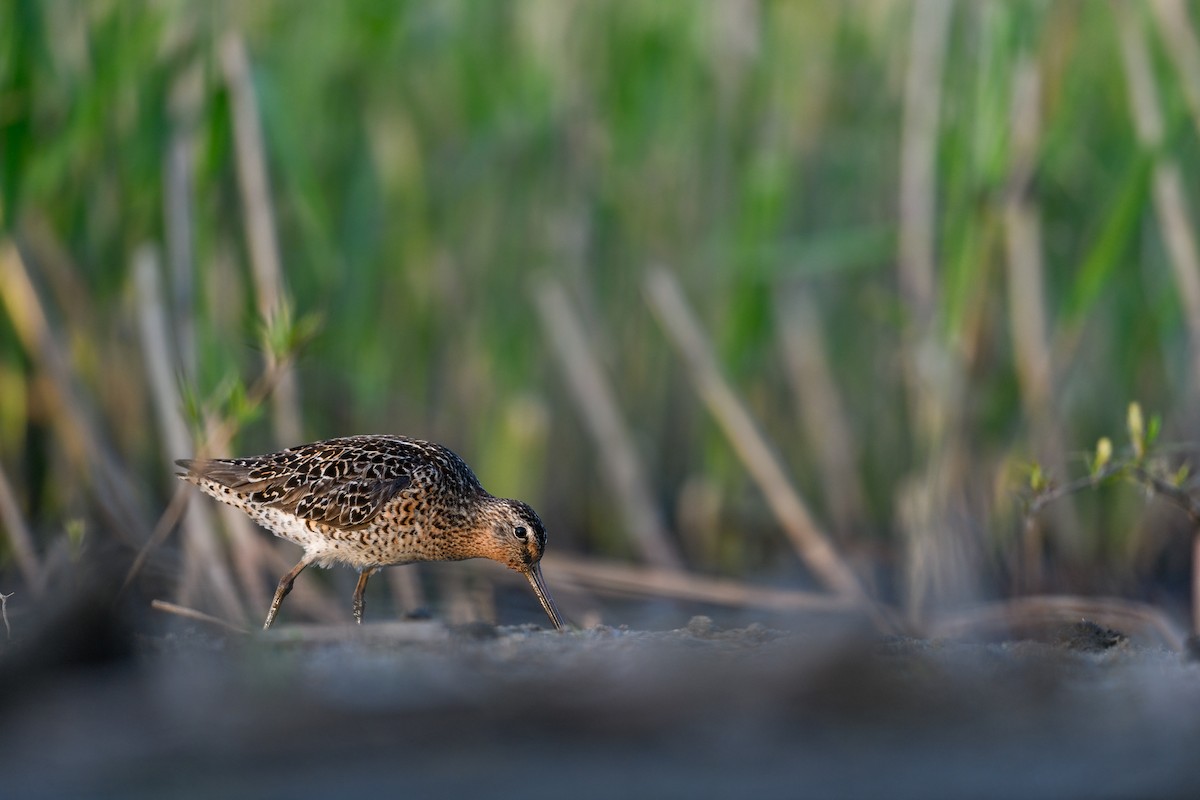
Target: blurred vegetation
431, 164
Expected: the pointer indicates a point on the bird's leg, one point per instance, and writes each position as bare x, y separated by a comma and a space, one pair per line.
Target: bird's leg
359, 603
285, 586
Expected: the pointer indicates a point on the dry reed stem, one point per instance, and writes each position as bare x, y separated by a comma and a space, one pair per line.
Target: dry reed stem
1026, 298
65, 408
405, 588
926, 361
265, 261
820, 407
1195, 583
1112, 612
810, 542
159, 364
4, 614
198, 616
598, 408
1028, 325
625, 579
1179, 34
1175, 220
166, 523
63, 284
19, 537
1170, 200
201, 546
248, 563
930, 370
918, 155
244, 550
459, 604
939, 560
186, 97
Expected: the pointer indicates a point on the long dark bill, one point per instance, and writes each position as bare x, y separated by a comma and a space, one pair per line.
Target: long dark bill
534, 576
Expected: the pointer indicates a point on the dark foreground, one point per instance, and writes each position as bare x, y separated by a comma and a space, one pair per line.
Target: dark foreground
416, 710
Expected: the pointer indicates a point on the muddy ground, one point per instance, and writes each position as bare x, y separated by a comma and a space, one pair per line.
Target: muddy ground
416, 709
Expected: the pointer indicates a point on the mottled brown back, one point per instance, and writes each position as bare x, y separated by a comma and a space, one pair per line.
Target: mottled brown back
345, 483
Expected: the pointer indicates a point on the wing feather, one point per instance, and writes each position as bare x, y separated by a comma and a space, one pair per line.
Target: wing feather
345, 483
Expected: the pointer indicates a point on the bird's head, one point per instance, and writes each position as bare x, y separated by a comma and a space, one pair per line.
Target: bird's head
518, 541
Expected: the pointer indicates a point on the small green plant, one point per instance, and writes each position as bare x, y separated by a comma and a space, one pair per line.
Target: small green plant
1140, 464
234, 403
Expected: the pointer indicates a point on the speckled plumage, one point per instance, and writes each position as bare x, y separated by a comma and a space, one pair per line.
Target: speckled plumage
375, 501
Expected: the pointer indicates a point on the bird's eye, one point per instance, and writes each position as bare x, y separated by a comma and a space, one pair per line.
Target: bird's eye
521, 533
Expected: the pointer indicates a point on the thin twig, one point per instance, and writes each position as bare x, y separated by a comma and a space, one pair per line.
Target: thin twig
1048, 496
1170, 492
1139, 474
193, 614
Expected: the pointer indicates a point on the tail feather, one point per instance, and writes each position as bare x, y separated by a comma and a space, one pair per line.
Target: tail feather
235, 475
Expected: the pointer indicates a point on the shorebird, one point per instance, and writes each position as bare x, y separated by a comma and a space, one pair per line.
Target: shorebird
375, 501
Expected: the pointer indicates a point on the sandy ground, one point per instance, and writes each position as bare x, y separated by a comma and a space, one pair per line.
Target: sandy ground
417, 709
